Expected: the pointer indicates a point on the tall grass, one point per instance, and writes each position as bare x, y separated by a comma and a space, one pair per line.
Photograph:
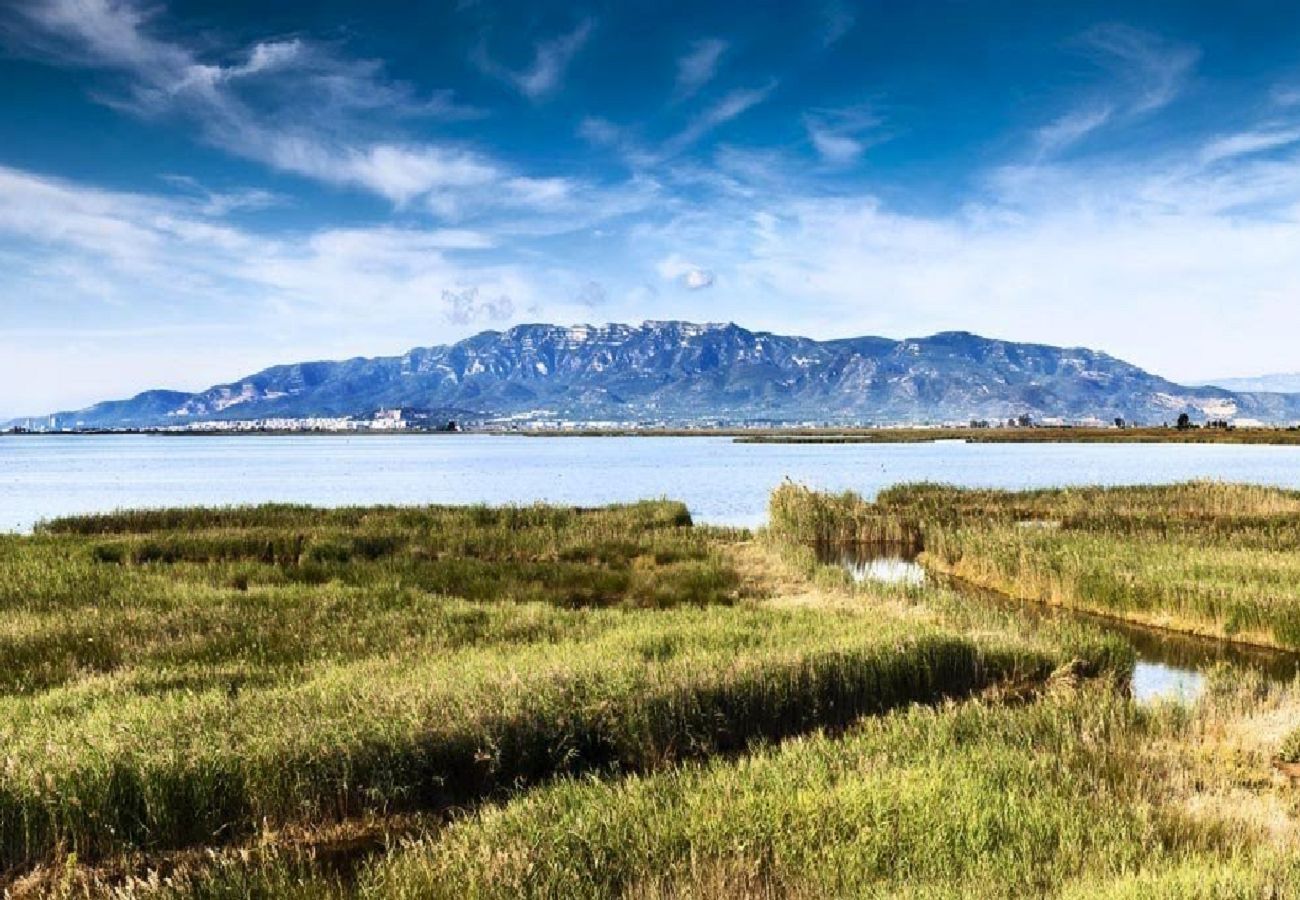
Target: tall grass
243, 592
115, 763
272, 670
1205, 557
802, 516
970, 801
184, 678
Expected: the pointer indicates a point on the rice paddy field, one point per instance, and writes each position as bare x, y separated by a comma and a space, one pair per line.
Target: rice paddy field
368, 702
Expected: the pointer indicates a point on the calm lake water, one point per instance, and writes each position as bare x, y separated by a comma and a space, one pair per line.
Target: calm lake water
722, 482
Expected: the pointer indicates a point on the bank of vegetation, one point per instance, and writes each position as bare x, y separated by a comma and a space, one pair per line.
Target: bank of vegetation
1207, 558
1278, 436
550, 702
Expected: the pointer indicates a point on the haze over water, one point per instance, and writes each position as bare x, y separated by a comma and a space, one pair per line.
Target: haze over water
722, 482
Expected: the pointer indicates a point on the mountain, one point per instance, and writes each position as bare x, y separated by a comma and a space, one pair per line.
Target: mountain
1281, 382
679, 372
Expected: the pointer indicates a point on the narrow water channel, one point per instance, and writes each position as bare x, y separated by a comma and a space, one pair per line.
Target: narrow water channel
1169, 664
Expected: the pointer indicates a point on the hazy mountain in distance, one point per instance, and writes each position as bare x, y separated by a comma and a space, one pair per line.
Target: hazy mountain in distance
680, 372
1280, 382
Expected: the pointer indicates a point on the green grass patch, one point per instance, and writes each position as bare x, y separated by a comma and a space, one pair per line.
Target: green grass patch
1205, 557
967, 801
173, 679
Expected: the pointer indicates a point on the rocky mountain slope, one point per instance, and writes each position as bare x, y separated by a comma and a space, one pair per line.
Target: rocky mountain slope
679, 372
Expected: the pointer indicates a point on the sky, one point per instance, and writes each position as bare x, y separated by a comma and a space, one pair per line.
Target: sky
192, 191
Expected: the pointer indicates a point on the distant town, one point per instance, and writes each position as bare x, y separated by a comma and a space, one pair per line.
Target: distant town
416, 421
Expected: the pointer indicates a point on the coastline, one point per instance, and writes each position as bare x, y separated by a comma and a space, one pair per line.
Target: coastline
1274, 436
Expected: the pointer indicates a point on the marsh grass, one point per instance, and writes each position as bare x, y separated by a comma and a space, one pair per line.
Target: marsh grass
1076, 794
175, 679
970, 800
615, 703
1205, 557
1037, 435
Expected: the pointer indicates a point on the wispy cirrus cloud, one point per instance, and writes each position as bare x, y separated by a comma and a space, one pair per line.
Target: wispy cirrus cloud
698, 65
1155, 70
841, 136
220, 203
642, 155
732, 105
551, 58
299, 107
838, 19
1146, 72
1285, 95
1072, 126
1247, 143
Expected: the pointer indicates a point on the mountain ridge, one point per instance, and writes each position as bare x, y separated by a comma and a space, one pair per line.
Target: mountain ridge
1270, 383
676, 372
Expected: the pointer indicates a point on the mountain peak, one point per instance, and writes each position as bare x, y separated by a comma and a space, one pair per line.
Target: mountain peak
673, 372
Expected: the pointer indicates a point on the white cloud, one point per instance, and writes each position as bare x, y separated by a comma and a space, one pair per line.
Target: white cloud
841, 136
551, 59
302, 108
698, 65
1073, 126
312, 119
268, 56
220, 203
1147, 73
687, 274
835, 148
1286, 95
696, 279
1156, 261
135, 265
400, 173
1249, 142
600, 132
733, 105
1154, 70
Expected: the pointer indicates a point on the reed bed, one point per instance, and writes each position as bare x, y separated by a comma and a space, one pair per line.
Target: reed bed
1037, 435
800, 516
1077, 794
195, 678
1211, 558
102, 593
113, 764
1054, 798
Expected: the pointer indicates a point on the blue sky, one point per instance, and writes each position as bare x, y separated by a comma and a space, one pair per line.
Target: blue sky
191, 191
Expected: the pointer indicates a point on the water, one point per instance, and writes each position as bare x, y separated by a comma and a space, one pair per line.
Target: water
721, 481
881, 563
1169, 665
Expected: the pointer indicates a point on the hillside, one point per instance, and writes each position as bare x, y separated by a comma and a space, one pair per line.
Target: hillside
679, 372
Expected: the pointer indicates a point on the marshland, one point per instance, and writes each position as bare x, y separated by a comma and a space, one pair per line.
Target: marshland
619, 701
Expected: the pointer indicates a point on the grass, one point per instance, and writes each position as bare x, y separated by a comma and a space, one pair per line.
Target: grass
189, 678
1276, 436
547, 702
1208, 558
115, 763
902, 806
1079, 794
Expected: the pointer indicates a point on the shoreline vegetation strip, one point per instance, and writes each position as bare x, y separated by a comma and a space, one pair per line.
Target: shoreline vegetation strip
614, 702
